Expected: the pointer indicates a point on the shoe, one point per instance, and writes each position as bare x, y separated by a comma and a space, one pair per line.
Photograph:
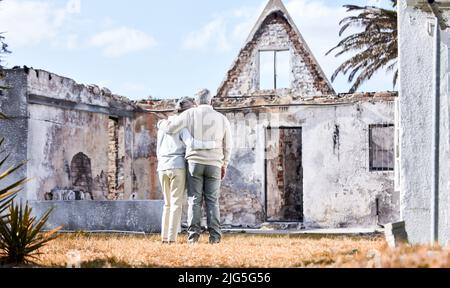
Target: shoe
193, 239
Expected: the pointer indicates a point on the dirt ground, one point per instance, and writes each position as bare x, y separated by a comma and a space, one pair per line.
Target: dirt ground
237, 251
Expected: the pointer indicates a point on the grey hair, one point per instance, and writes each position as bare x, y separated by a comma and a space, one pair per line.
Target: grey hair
184, 104
203, 97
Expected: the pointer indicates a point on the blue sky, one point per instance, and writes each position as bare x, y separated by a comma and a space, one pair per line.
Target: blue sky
163, 49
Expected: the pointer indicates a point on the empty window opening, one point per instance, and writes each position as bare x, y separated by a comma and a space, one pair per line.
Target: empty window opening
381, 147
274, 69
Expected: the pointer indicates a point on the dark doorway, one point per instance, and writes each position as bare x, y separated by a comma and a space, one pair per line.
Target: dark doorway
81, 172
284, 175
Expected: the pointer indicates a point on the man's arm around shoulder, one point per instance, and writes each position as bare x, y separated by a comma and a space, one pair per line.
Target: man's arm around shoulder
175, 124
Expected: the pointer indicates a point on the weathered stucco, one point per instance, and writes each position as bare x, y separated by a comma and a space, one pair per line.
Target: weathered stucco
338, 188
145, 161
58, 112
13, 103
416, 46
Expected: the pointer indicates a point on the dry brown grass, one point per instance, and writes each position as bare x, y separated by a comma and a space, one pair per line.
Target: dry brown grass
239, 251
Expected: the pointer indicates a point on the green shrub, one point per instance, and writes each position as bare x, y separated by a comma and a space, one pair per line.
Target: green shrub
21, 234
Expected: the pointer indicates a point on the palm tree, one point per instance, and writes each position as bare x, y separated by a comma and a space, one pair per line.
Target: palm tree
376, 45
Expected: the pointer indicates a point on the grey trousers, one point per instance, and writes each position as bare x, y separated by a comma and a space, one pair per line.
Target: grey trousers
204, 184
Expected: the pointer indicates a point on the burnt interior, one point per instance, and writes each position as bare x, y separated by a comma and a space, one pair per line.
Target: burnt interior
284, 175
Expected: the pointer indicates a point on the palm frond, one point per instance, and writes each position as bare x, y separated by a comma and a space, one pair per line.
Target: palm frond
3, 116
375, 45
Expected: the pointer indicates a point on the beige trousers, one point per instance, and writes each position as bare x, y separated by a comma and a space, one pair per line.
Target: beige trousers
173, 184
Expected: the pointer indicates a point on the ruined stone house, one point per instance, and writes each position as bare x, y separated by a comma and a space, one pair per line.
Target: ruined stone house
302, 153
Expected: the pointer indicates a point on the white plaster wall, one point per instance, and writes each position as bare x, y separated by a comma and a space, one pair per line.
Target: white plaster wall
339, 188
54, 137
416, 46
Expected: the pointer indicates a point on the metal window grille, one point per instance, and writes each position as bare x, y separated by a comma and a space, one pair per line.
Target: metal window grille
381, 147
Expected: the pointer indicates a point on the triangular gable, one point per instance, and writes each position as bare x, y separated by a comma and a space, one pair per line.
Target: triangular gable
275, 24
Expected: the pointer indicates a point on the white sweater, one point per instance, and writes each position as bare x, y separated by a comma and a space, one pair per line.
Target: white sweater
205, 125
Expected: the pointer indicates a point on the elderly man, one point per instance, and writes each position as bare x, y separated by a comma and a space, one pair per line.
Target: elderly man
206, 167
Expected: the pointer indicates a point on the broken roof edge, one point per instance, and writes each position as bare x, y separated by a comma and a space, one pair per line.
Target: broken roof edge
93, 89
274, 6
250, 102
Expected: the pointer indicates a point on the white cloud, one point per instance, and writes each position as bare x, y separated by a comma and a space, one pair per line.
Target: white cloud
28, 23
121, 41
212, 32
225, 30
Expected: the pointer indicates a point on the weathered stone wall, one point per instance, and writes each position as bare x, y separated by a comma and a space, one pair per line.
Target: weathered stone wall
72, 126
275, 34
102, 216
68, 139
56, 136
13, 103
339, 188
145, 162
73, 140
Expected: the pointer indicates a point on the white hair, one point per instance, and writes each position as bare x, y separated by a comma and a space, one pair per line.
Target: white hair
203, 97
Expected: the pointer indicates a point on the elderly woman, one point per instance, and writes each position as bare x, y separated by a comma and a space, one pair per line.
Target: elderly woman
171, 150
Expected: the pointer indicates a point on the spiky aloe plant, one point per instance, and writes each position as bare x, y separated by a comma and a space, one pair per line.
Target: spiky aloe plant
8, 193
21, 234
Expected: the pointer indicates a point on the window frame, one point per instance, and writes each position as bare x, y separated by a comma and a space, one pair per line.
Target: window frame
371, 160
275, 75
